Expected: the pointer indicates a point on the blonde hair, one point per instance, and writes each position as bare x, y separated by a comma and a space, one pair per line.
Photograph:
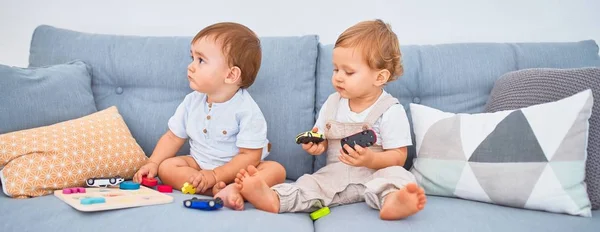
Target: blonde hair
378, 43
240, 45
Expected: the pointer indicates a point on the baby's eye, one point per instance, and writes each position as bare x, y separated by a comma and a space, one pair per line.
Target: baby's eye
349, 73
200, 60
335, 70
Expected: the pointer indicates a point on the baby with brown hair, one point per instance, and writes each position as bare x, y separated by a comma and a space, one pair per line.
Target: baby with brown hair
365, 57
225, 127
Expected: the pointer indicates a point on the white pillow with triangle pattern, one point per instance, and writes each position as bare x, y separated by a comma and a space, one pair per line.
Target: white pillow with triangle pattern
532, 158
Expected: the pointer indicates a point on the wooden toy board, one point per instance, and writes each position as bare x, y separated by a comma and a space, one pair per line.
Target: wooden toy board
115, 198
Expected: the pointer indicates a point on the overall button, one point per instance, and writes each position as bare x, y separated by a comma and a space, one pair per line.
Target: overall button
204, 130
224, 132
119, 90
417, 100
207, 117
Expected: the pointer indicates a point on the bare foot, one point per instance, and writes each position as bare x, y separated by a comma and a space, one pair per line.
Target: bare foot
256, 191
403, 203
218, 187
230, 195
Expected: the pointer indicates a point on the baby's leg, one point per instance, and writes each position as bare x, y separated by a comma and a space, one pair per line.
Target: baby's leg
230, 194
395, 193
403, 203
302, 196
177, 170
271, 172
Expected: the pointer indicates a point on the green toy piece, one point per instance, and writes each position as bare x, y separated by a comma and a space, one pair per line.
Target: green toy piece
319, 213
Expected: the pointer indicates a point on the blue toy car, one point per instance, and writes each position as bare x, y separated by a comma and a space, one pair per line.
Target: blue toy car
204, 204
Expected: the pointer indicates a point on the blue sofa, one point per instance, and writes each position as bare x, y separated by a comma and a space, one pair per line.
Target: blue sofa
145, 77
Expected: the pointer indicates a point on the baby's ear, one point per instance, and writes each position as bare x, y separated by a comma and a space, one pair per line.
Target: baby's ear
382, 77
234, 76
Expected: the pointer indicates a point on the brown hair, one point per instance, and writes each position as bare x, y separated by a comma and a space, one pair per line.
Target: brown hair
240, 45
378, 43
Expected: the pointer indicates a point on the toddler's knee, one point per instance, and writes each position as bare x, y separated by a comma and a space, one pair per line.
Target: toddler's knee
276, 168
280, 169
165, 166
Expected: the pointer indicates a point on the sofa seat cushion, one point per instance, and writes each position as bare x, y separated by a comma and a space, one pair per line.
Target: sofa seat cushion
48, 213
451, 214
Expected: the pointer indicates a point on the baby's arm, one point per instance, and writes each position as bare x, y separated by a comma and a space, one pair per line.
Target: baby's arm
167, 147
318, 148
395, 136
387, 158
169, 143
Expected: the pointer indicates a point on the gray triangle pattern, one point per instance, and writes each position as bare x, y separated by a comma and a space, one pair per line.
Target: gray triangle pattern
508, 185
442, 141
512, 141
574, 140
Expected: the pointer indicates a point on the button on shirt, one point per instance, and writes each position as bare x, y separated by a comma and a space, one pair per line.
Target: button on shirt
216, 131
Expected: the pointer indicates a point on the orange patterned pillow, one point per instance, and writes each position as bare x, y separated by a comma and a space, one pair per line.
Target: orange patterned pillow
37, 161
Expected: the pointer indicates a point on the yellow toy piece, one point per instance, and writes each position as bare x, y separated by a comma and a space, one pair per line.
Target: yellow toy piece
188, 189
319, 213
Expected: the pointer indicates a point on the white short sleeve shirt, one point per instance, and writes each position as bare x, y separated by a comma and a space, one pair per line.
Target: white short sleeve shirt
216, 131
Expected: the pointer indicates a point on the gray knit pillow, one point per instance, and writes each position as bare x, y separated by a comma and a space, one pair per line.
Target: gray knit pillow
528, 87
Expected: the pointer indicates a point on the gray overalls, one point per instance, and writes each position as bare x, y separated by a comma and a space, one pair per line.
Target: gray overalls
338, 183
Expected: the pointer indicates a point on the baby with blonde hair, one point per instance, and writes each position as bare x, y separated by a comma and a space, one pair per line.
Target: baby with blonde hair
365, 58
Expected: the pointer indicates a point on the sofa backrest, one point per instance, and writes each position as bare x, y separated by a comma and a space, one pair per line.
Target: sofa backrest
458, 78
146, 78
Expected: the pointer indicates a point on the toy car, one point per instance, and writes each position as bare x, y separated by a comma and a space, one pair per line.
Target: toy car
104, 182
204, 204
309, 136
364, 138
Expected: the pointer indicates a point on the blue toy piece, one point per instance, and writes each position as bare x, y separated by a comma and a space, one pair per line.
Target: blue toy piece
129, 185
92, 200
204, 204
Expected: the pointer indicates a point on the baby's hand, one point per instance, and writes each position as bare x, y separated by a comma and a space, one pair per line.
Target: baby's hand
203, 180
149, 170
314, 148
357, 157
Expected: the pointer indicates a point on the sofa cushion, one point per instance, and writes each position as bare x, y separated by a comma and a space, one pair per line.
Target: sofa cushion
48, 213
459, 77
532, 157
449, 214
63, 155
145, 77
52, 94
540, 85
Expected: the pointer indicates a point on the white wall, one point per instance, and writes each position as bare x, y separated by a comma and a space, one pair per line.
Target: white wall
415, 21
